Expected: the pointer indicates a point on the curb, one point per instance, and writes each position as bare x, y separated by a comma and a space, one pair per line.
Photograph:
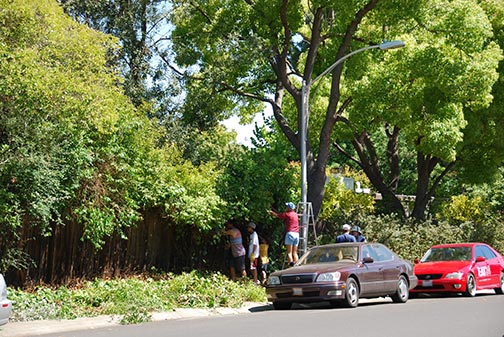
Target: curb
43, 327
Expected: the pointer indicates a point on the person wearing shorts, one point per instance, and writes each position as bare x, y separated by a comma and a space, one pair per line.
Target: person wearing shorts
291, 222
263, 258
237, 263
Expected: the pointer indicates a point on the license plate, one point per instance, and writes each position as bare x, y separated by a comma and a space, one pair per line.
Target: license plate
297, 291
427, 283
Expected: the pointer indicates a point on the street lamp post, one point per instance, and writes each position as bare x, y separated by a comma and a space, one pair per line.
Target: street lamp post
305, 93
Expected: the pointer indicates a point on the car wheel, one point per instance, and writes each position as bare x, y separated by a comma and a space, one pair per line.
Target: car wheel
500, 290
470, 286
402, 293
352, 293
282, 305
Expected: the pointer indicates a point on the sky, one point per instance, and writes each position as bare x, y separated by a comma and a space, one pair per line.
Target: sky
246, 132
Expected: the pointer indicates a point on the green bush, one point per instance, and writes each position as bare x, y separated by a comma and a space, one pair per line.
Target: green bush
340, 202
411, 239
133, 298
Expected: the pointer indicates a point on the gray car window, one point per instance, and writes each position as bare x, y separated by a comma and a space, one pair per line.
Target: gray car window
478, 251
368, 251
487, 252
382, 253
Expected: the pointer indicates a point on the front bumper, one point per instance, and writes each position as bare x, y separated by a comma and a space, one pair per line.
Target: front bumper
303, 293
440, 286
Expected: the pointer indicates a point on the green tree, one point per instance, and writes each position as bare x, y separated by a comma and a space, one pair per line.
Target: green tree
139, 26
435, 95
260, 51
255, 179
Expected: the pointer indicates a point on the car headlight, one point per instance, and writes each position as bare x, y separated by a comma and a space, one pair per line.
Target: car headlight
329, 277
457, 275
273, 280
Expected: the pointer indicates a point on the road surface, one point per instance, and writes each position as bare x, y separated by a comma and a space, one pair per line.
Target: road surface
482, 316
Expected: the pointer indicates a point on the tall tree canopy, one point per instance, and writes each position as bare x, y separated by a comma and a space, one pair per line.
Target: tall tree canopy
140, 26
435, 96
260, 51
75, 153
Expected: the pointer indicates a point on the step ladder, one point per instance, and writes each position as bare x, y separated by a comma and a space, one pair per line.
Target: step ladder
306, 218
306, 221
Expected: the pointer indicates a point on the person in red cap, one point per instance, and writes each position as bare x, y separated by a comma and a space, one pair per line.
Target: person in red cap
291, 222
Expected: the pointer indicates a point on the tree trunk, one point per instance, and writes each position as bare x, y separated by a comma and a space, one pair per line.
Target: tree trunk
425, 166
369, 162
316, 184
393, 157
281, 66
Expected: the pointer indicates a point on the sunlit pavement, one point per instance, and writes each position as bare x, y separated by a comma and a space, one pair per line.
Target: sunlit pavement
38, 328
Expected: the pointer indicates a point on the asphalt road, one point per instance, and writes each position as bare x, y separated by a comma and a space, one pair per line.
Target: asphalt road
482, 316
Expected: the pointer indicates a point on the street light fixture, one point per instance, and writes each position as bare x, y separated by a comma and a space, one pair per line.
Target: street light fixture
386, 45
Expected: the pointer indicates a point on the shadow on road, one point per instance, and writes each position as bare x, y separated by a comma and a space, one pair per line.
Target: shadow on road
480, 293
371, 302
323, 305
261, 308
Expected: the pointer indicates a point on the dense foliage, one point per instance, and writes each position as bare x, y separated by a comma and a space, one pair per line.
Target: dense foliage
106, 168
75, 153
135, 299
422, 96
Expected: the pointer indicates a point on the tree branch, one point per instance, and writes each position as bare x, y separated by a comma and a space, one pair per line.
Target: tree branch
343, 106
246, 94
163, 58
346, 154
198, 8
438, 179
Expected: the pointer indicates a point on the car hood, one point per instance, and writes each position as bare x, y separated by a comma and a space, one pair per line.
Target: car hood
317, 268
441, 267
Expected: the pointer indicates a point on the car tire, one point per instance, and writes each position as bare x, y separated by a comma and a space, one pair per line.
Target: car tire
470, 286
500, 290
402, 293
351, 294
282, 305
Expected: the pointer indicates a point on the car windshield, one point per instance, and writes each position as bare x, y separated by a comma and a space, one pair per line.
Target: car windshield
328, 254
448, 254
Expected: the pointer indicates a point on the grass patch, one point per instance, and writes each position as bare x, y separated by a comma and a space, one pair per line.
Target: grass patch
134, 298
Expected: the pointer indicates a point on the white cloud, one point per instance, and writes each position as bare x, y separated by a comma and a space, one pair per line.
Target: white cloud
245, 132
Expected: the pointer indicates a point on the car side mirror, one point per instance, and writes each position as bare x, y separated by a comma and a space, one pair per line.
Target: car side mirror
368, 259
480, 259
416, 261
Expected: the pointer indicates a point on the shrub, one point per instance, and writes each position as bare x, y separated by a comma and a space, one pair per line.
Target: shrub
340, 202
134, 298
411, 239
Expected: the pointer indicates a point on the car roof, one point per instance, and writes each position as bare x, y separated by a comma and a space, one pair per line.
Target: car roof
465, 244
343, 244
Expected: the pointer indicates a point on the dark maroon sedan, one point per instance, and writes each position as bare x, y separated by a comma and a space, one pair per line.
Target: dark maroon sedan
342, 273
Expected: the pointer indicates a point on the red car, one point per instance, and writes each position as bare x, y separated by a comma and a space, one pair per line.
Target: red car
460, 268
